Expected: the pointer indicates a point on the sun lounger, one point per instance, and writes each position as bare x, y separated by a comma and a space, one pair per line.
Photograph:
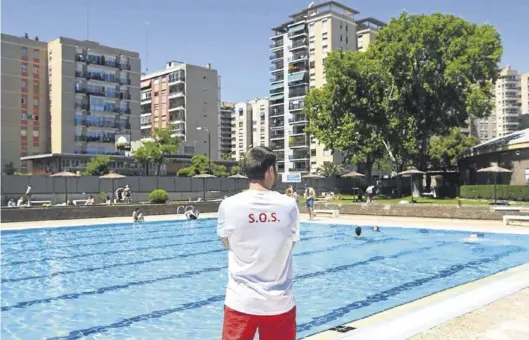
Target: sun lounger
507, 218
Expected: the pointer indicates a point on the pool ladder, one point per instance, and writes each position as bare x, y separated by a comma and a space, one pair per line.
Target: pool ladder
184, 208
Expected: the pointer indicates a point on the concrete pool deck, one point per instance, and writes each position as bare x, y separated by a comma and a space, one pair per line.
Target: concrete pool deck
494, 307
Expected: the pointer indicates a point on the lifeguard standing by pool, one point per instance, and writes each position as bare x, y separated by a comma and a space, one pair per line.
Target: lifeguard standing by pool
260, 228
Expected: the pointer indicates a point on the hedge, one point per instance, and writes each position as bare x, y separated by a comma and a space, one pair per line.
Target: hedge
503, 192
158, 196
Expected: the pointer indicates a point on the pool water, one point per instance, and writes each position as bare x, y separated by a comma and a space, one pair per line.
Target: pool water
167, 280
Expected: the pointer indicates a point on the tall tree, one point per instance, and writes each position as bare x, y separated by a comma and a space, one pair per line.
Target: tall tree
443, 150
98, 166
156, 151
443, 69
349, 113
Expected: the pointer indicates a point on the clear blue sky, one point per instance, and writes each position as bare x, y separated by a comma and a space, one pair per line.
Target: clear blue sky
233, 35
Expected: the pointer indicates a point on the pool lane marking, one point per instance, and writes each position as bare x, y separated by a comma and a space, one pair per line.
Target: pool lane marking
385, 295
102, 290
77, 334
135, 262
92, 269
59, 258
162, 229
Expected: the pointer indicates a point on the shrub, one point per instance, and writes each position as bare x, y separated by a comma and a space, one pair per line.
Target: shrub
503, 192
158, 196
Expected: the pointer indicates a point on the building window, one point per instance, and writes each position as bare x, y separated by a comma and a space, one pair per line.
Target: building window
313, 152
312, 64
156, 81
23, 68
325, 49
23, 132
35, 133
35, 86
35, 102
36, 54
35, 70
346, 39
23, 52
24, 100
24, 85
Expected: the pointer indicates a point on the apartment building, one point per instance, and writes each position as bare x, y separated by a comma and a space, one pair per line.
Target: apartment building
299, 49
504, 118
227, 110
260, 130
241, 130
187, 98
524, 93
366, 31
76, 97
24, 97
94, 93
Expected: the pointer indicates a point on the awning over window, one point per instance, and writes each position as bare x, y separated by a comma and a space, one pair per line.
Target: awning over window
276, 97
277, 86
296, 28
298, 76
146, 83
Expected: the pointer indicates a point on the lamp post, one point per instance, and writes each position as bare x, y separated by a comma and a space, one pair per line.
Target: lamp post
201, 128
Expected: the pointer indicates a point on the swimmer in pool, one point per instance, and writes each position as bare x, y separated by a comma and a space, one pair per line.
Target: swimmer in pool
376, 229
471, 239
358, 232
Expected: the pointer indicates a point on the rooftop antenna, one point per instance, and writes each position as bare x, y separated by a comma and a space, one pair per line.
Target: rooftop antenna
146, 46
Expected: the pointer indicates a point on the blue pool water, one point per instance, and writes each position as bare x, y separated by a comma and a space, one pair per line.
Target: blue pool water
167, 280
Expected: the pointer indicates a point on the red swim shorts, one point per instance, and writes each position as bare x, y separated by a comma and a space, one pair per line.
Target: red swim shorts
241, 326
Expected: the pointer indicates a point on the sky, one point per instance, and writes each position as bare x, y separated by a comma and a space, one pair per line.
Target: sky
232, 35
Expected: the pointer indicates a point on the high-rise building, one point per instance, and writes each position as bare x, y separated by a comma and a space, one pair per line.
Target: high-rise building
25, 123
227, 110
186, 98
504, 118
76, 97
260, 131
94, 96
299, 50
524, 91
241, 131
366, 31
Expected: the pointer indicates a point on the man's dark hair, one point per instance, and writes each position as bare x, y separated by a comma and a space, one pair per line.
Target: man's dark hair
257, 161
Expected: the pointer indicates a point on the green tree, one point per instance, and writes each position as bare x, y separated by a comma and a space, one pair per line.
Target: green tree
443, 150
235, 170
226, 157
443, 70
98, 166
349, 113
156, 151
329, 169
200, 165
9, 168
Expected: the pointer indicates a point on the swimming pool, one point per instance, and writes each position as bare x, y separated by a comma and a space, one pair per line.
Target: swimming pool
166, 280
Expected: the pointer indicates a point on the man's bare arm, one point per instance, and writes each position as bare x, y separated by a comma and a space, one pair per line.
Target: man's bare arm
225, 242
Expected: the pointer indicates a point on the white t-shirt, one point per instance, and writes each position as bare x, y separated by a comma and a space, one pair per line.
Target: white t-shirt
261, 227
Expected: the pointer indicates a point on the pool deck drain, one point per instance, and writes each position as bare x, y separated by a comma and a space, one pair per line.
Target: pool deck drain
494, 307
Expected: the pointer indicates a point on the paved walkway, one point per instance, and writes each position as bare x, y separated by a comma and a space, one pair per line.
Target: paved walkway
505, 319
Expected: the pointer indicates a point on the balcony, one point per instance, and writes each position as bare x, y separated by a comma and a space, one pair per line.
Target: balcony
296, 105
177, 79
299, 155
96, 139
278, 134
276, 112
125, 111
276, 44
124, 66
298, 58
181, 105
178, 116
298, 45
80, 74
298, 130
277, 88
277, 78
124, 81
298, 92
298, 119
300, 168
297, 30
277, 55
175, 93
79, 106
277, 123
277, 145
298, 141
125, 96
276, 67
